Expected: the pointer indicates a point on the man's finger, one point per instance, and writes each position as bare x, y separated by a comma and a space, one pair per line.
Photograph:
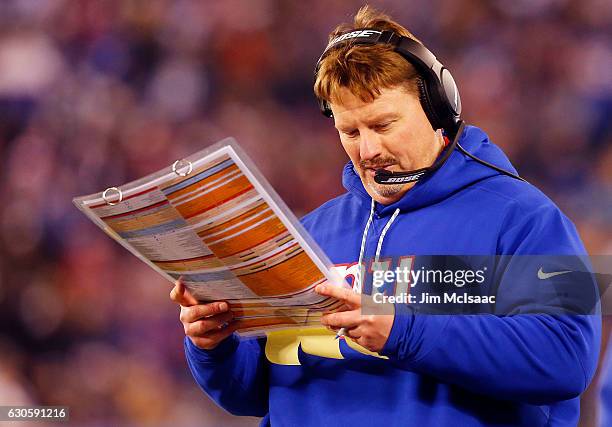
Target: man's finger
345, 319
209, 325
197, 312
181, 295
343, 294
212, 339
339, 308
354, 333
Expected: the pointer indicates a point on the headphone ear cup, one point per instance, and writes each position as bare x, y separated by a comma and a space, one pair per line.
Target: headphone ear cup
430, 112
325, 108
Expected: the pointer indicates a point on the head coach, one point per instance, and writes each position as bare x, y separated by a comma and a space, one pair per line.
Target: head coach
418, 181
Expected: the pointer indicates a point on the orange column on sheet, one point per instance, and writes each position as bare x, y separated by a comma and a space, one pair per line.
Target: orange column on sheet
291, 275
247, 240
214, 198
202, 183
229, 227
142, 218
208, 261
262, 322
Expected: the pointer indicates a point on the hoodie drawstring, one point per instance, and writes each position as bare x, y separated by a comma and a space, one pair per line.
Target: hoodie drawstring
384, 232
357, 288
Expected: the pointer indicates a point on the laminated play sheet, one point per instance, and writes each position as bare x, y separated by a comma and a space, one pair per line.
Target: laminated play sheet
213, 220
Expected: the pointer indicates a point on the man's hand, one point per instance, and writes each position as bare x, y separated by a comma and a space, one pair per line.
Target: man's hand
206, 325
369, 331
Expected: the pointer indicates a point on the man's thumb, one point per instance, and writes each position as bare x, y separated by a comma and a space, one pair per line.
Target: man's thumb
180, 294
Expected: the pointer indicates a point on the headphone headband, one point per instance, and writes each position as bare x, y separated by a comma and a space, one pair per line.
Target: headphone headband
438, 91
365, 35
438, 94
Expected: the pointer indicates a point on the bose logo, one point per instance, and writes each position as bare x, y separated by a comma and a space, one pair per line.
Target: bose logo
404, 178
352, 35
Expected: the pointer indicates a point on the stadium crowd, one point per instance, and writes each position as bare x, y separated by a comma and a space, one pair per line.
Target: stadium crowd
97, 93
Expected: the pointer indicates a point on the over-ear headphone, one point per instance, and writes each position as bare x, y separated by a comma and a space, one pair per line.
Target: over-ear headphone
438, 91
438, 94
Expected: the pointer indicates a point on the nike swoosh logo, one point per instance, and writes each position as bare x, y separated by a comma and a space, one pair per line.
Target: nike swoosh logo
543, 276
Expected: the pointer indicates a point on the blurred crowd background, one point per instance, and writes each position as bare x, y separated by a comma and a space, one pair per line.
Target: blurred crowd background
94, 93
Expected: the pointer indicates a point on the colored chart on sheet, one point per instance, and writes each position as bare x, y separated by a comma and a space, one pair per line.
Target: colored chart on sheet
215, 222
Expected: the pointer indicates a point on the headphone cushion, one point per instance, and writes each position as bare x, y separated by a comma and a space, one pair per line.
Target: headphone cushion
426, 103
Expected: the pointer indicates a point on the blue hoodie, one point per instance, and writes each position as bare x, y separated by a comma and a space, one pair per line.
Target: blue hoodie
439, 370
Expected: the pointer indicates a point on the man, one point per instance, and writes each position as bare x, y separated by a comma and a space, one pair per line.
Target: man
409, 192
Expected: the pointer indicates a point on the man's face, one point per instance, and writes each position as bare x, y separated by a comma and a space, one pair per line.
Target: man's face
392, 133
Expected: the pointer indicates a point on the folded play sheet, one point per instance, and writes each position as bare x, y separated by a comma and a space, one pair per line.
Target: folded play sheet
213, 220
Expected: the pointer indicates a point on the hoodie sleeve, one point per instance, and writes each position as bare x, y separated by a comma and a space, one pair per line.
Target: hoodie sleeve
530, 355
234, 374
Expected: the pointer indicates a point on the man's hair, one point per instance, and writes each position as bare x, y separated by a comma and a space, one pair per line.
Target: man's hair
365, 69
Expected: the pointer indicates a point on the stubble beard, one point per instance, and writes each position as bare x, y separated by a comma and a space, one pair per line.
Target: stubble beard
383, 190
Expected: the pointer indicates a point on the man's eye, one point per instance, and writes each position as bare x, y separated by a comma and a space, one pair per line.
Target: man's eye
352, 134
382, 126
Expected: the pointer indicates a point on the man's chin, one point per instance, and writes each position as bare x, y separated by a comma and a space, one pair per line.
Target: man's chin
385, 193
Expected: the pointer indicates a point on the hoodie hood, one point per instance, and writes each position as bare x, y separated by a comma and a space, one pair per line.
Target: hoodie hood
457, 173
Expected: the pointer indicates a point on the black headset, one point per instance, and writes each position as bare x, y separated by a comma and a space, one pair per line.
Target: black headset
438, 94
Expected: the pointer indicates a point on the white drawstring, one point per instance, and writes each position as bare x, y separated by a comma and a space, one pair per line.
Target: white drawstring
384, 232
358, 286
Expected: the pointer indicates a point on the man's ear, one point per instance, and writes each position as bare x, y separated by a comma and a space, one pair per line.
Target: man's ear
330, 107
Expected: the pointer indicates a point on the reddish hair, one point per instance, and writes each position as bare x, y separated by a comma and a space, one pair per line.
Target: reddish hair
365, 69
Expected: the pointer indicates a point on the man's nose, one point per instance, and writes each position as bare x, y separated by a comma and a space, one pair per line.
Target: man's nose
370, 145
